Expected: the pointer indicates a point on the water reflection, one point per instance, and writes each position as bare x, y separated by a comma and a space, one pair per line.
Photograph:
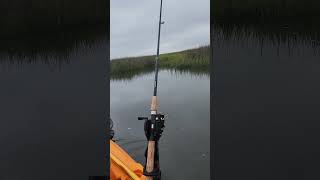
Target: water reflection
53, 49
289, 42
53, 100
266, 99
184, 96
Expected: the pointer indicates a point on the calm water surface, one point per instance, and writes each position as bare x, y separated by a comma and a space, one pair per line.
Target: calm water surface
267, 102
52, 107
185, 144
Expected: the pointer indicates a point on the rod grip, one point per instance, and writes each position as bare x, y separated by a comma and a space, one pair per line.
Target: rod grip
150, 157
154, 103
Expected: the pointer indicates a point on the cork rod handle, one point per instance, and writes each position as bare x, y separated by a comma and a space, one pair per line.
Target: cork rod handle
150, 157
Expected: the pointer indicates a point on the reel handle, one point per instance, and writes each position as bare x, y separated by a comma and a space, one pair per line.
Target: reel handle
142, 118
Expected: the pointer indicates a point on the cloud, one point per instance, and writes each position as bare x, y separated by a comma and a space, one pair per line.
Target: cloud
134, 26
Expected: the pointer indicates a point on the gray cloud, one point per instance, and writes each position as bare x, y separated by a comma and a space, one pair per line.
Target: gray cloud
134, 26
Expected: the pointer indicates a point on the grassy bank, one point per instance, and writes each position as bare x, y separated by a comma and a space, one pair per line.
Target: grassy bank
196, 60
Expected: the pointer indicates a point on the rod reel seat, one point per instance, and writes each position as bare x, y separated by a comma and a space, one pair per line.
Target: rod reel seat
153, 129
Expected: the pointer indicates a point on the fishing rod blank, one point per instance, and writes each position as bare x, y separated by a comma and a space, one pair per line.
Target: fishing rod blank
154, 127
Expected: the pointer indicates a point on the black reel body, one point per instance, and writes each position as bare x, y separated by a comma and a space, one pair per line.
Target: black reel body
153, 127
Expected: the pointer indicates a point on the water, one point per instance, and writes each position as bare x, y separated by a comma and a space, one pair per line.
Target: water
185, 144
53, 105
266, 92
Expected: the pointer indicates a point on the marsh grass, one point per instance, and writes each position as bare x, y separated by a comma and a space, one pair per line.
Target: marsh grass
290, 12
20, 18
193, 60
266, 8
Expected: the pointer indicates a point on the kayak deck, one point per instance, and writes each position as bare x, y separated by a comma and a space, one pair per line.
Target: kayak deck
122, 166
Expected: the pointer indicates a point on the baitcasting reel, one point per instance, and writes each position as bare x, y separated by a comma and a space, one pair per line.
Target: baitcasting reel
153, 129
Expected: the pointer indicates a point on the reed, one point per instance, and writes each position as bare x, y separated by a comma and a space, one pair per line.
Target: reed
266, 11
24, 17
270, 8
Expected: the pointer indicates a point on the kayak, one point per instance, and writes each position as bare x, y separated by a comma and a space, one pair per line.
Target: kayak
122, 166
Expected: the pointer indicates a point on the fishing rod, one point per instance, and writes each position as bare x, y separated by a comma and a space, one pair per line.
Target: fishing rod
153, 127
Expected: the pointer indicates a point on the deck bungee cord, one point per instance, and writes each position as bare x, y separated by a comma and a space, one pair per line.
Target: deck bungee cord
153, 127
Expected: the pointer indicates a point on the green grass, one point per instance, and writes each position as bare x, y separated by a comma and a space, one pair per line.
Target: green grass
193, 60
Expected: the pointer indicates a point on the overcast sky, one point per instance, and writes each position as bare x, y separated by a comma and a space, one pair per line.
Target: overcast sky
134, 26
